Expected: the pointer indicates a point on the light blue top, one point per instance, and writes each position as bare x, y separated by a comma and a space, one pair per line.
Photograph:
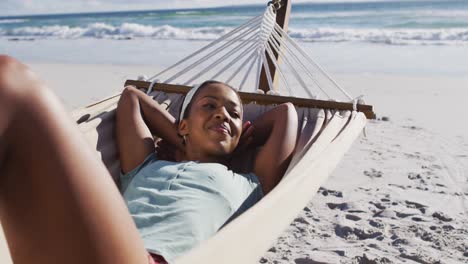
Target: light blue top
176, 205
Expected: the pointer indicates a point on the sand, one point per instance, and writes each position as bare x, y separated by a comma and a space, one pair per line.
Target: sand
400, 193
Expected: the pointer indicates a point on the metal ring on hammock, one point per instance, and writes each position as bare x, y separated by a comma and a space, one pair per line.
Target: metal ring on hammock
276, 4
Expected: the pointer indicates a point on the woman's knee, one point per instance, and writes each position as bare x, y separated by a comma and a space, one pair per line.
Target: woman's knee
8, 94
129, 91
16, 79
8, 67
127, 98
21, 91
7, 61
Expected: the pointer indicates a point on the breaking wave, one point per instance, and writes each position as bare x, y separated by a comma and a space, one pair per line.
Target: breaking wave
384, 36
126, 30
12, 21
453, 36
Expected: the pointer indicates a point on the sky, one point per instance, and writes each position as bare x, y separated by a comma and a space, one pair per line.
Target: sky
23, 7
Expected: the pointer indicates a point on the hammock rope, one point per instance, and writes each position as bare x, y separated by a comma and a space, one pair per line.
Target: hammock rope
262, 42
208, 56
259, 67
293, 55
235, 61
280, 72
239, 69
247, 73
294, 72
311, 61
225, 57
222, 38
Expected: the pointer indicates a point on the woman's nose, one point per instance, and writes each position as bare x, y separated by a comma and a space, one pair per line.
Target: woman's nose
222, 113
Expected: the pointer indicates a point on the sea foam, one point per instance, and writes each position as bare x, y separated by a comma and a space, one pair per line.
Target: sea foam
12, 21
452, 36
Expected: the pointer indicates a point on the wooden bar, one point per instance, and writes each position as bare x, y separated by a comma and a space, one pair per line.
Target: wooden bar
264, 98
282, 19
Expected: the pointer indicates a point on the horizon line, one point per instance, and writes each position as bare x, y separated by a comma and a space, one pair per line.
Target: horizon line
207, 7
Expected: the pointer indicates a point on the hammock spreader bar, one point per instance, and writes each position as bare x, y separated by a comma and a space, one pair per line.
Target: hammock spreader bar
264, 99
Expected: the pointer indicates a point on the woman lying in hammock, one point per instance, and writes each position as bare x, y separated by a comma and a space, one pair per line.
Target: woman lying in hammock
58, 203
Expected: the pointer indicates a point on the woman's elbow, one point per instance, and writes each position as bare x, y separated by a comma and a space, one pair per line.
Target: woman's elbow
286, 123
289, 114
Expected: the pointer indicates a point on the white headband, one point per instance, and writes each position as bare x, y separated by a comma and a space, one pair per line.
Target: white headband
188, 98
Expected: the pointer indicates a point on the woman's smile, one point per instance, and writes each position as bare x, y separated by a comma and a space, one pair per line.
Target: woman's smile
221, 128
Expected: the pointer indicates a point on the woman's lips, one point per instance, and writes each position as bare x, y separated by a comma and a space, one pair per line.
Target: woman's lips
221, 129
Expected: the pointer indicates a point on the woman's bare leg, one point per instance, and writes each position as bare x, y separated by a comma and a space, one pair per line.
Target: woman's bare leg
58, 203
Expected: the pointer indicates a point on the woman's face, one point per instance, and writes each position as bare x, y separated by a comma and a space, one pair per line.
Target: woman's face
214, 124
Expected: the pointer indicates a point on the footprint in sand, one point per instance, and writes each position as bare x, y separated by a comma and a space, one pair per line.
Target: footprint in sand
420, 207
373, 173
347, 232
418, 258
404, 215
301, 220
397, 242
398, 186
325, 192
412, 211
353, 217
414, 176
441, 216
307, 261
418, 219
378, 205
366, 260
413, 127
376, 223
340, 206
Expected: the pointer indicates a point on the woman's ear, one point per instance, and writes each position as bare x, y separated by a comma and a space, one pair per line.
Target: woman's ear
183, 127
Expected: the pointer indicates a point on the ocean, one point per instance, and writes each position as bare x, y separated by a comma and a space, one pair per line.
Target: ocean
383, 22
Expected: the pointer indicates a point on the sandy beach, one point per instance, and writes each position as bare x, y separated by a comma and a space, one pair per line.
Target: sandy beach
400, 193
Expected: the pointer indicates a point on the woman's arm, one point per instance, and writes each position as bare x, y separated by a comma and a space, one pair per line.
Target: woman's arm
276, 130
160, 122
139, 117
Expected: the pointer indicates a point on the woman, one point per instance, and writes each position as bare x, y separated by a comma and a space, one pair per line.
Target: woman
58, 203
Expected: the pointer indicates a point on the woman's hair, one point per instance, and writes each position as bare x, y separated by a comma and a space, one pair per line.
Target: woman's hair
203, 85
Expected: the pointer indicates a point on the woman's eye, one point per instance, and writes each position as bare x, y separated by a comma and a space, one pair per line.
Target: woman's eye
235, 114
209, 106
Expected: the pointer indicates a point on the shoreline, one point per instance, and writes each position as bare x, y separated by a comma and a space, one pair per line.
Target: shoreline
335, 57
